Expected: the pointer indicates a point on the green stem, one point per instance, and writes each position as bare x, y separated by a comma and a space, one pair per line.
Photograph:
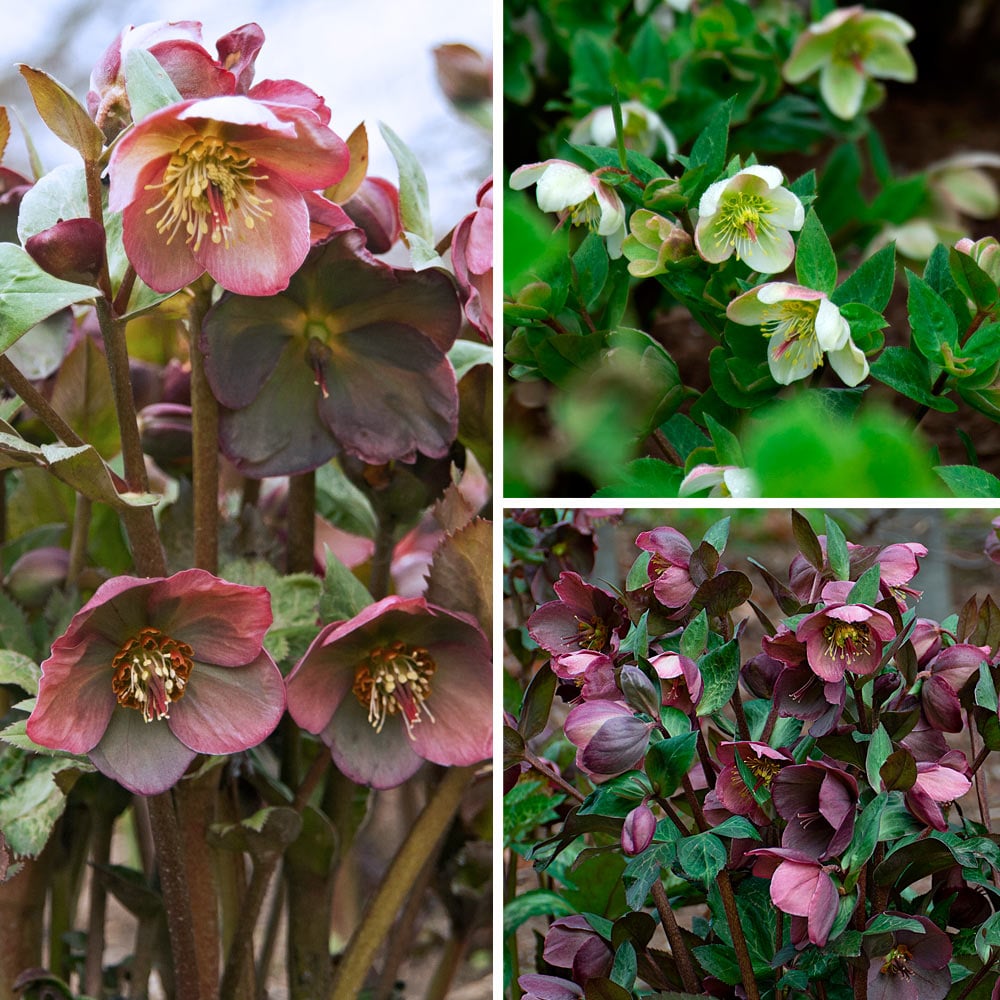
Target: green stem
377, 920
176, 900
78, 539
976, 979
204, 443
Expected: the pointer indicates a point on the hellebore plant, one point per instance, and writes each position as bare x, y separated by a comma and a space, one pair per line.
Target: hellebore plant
198, 303
761, 779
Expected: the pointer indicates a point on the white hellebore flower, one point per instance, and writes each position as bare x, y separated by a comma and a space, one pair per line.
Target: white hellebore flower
576, 194
750, 214
643, 129
801, 325
720, 481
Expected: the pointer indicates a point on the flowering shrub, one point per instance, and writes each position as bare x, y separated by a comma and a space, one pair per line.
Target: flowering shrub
752, 792
243, 463
729, 269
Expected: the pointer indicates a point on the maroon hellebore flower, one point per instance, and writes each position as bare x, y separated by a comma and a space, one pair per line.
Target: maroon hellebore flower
538, 987
914, 966
938, 784
763, 762
608, 737
472, 258
819, 802
217, 185
944, 678
571, 943
668, 567
400, 683
374, 208
681, 681
801, 887
842, 637
152, 672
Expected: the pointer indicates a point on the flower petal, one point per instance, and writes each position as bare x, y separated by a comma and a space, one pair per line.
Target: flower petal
770, 253
849, 363
842, 87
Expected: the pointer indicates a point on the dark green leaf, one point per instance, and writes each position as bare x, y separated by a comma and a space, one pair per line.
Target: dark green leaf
701, 857
975, 283
866, 590
537, 702
836, 550
147, 83
879, 749
709, 149
720, 670
591, 263
932, 323
695, 635
907, 372
815, 261
871, 283
969, 481
668, 760
533, 903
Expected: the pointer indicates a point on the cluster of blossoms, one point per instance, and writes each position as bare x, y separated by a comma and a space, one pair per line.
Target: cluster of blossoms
851, 665
152, 672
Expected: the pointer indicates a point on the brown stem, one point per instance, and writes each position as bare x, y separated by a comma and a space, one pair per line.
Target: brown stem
547, 772
78, 542
672, 815
301, 522
204, 442
380, 574
38, 404
682, 956
979, 976
736, 929
696, 810
742, 727
100, 854
120, 305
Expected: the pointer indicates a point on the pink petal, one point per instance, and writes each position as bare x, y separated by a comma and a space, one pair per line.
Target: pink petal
143, 756
226, 710
793, 885
157, 140
942, 784
319, 682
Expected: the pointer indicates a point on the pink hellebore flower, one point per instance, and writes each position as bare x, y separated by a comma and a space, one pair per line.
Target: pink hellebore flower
472, 258
801, 325
638, 829
575, 193
800, 886
720, 481
538, 987
843, 637
749, 214
681, 683
819, 803
763, 762
668, 567
401, 682
945, 676
152, 672
217, 185
938, 784
571, 943
608, 737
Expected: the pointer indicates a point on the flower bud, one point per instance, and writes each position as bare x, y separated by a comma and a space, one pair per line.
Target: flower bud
72, 249
464, 74
165, 432
638, 830
654, 244
985, 252
36, 574
374, 207
640, 692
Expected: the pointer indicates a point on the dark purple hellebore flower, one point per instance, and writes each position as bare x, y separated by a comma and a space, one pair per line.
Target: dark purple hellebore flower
537, 987
843, 637
400, 683
608, 737
571, 943
668, 567
351, 356
152, 672
950, 671
763, 762
914, 966
800, 694
584, 619
818, 801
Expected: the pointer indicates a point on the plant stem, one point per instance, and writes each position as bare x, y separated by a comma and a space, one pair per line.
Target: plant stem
979, 976
395, 885
176, 901
100, 854
381, 562
78, 540
742, 727
37, 403
543, 769
510, 895
301, 521
682, 956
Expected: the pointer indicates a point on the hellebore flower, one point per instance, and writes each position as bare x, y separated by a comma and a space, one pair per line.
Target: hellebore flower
914, 966
351, 356
763, 762
985, 252
800, 324
538, 987
400, 683
843, 637
578, 195
571, 943
654, 243
374, 208
944, 678
217, 185
801, 887
681, 682
642, 128
938, 784
608, 737
720, 481
847, 47
819, 802
750, 214
152, 672
585, 618
472, 258
668, 567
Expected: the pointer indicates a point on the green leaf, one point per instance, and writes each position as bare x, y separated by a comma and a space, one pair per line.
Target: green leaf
15, 668
709, 149
866, 590
28, 294
719, 960
30, 807
879, 749
537, 702
986, 692
737, 826
467, 354
668, 760
974, 282
65, 116
969, 481
344, 595
702, 857
871, 284
728, 450
638, 574
836, 550
643, 477
806, 540
625, 967
695, 635
932, 323
533, 903
718, 534
147, 84
720, 670
414, 201
591, 263
643, 870
908, 372
815, 261
866, 829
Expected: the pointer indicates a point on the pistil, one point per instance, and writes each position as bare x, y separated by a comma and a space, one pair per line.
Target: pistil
150, 671
395, 679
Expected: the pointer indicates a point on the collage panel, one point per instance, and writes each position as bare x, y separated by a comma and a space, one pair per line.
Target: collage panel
750, 250
748, 754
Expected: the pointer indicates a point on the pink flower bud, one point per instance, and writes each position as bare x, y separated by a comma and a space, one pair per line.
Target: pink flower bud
36, 574
374, 207
72, 249
638, 830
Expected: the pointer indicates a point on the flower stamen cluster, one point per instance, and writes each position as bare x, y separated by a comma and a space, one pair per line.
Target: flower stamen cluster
847, 641
742, 221
151, 671
395, 679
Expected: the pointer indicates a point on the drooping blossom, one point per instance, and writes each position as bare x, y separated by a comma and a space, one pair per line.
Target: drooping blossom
374, 208
944, 679
472, 258
801, 325
801, 887
352, 357
910, 965
751, 215
642, 129
669, 566
217, 185
681, 683
608, 737
577, 194
818, 801
763, 762
720, 481
800, 694
539, 987
152, 672
938, 784
400, 683
841, 637
571, 943
848, 47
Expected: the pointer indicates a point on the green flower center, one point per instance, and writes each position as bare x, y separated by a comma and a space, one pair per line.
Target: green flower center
206, 185
150, 671
395, 679
763, 769
793, 322
586, 213
592, 634
852, 45
743, 218
897, 962
847, 640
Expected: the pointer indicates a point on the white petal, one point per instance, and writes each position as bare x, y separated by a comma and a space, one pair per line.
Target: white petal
832, 330
849, 363
741, 482
709, 203
770, 254
771, 176
787, 211
563, 185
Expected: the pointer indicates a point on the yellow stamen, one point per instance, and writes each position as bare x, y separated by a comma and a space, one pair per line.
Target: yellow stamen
395, 679
847, 640
151, 671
